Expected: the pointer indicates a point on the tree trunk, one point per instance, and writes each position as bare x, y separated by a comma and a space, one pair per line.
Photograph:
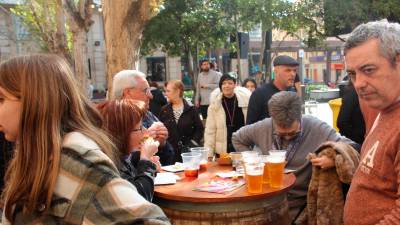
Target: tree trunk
190, 67
80, 15
81, 59
124, 22
60, 39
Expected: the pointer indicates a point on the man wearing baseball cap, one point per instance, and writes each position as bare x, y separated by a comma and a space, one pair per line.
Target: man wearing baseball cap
285, 71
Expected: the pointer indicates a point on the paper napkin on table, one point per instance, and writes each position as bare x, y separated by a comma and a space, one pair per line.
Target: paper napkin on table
229, 174
165, 178
220, 186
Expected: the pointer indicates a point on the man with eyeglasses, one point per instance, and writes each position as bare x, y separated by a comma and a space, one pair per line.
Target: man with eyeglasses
132, 84
299, 135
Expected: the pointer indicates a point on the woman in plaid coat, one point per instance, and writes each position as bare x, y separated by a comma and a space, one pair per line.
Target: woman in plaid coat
62, 171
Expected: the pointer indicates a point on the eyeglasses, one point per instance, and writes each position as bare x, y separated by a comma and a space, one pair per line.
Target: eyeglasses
139, 129
146, 91
286, 134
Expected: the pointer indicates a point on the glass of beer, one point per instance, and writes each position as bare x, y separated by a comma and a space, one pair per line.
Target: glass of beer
275, 167
278, 152
266, 173
191, 164
250, 156
254, 177
204, 156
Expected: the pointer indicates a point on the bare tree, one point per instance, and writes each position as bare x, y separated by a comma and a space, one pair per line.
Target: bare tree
80, 19
124, 22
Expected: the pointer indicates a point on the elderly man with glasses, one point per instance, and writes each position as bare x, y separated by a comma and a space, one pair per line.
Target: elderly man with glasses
299, 135
132, 84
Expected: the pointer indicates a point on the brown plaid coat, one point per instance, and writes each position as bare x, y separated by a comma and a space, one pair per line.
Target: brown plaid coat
90, 191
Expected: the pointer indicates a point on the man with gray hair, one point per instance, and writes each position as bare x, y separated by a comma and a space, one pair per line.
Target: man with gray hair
298, 135
132, 84
372, 55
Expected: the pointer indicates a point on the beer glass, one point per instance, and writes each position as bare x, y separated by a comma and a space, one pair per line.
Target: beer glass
278, 152
235, 157
247, 157
266, 173
191, 163
275, 167
250, 156
204, 156
254, 177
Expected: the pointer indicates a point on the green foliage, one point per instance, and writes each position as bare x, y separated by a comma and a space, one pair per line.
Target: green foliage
39, 16
184, 25
342, 16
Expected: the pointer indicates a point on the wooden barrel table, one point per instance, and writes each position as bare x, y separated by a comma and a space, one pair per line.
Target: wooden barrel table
183, 206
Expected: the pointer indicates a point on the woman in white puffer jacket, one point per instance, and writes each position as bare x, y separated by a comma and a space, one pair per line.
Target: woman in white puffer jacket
226, 114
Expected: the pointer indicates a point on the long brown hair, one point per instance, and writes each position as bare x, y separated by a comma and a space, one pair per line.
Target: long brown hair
120, 117
52, 105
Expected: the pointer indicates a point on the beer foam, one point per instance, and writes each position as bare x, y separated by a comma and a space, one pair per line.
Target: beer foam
275, 159
254, 173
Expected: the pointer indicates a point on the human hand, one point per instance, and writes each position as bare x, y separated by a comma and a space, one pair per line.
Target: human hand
323, 161
148, 149
159, 132
156, 160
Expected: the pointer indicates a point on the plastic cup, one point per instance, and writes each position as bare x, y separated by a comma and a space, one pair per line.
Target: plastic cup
250, 157
203, 158
254, 177
235, 157
191, 163
277, 152
275, 168
266, 173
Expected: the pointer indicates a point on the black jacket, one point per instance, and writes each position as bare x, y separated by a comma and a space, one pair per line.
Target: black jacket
350, 119
140, 173
157, 101
188, 132
258, 103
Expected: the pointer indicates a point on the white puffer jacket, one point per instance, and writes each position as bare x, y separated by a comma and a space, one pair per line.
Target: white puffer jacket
216, 130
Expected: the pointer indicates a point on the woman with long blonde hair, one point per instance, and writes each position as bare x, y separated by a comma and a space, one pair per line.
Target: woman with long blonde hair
62, 170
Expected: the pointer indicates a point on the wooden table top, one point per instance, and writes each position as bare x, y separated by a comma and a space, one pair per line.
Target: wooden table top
182, 190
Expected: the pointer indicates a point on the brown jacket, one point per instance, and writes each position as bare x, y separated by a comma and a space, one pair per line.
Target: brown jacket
325, 198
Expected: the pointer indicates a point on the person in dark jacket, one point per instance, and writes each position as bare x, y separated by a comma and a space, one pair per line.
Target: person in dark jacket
123, 122
181, 119
350, 119
158, 99
285, 68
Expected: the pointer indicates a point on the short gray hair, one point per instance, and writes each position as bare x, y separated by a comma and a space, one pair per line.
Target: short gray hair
387, 33
285, 108
125, 79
